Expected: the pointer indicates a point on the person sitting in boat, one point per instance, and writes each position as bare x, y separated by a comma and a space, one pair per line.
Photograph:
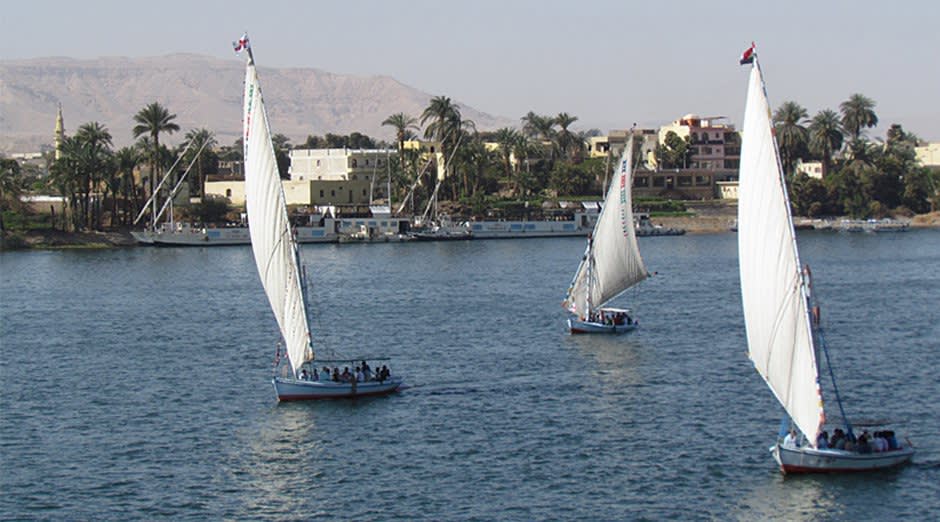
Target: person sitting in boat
336, 374
838, 439
303, 374
359, 376
893, 443
346, 376
316, 375
325, 374
879, 443
822, 441
863, 445
790, 441
366, 371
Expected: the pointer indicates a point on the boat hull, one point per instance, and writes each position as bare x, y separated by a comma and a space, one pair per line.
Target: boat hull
585, 327
809, 460
299, 390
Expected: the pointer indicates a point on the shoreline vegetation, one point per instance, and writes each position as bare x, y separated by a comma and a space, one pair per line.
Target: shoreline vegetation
505, 173
708, 218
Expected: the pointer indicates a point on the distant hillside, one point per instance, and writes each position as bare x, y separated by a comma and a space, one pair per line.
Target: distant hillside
203, 92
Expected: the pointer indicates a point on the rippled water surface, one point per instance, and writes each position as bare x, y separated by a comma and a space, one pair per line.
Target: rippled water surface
135, 385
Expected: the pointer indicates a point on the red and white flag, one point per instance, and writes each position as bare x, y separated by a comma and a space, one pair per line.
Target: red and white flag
241, 44
748, 55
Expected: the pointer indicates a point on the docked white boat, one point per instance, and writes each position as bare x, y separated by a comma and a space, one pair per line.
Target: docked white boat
444, 229
784, 339
611, 263
277, 257
580, 224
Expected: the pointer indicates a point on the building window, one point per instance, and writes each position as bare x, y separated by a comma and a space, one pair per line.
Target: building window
228, 193
321, 193
332, 193
659, 182
685, 181
641, 182
363, 192
318, 163
702, 180
354, 164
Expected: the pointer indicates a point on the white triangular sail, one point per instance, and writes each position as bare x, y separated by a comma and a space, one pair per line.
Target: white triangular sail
612, 262
779, 335
271, 237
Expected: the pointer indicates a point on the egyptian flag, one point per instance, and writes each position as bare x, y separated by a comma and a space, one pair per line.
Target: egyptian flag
241, 44
748, 55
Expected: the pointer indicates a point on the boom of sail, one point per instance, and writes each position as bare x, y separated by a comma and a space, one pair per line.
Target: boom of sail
774, 292
612, 262
272, 240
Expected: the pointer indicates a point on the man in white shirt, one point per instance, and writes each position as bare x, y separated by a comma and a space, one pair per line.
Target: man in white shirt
790, 441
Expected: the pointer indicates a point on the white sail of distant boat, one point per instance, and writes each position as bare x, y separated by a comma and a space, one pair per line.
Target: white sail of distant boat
776, 295
278, 259
611, 262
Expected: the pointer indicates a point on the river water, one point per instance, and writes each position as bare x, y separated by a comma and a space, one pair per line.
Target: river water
135, 384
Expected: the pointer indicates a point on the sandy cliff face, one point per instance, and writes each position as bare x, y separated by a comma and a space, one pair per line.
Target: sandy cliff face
203, 92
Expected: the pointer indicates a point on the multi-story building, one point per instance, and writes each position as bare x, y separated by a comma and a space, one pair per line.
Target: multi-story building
715, 144
337, 176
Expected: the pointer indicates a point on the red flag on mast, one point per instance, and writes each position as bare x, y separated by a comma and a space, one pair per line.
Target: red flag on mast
748, 55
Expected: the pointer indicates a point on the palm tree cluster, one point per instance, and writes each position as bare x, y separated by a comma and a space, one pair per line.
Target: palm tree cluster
97, 181
859, 177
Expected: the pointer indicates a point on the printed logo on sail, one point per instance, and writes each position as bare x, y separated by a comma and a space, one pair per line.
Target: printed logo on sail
251, 99
623, 198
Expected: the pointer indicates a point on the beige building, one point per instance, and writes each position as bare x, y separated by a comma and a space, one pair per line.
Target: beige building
338, 176
614, 143
813, 169
929, 155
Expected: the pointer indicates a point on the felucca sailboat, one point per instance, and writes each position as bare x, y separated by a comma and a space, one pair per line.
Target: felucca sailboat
783, 336
611, 262
278, 260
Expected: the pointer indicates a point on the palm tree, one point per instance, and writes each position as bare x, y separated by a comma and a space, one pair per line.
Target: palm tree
404, 125
152, 120
825, 137
791, 134
201, 139
858, 112
507, 138
565, 139
125, 161
95, 139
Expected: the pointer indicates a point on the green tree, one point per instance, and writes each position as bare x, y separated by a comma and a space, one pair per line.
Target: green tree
858, 112
11, 187
825, 137
404, 126
567, 142
151, 121
97, 169
674, 152
282, 154
507, 138
792, 137
126, 160
201, 139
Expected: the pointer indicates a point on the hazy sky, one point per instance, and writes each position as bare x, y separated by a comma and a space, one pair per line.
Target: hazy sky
608, 62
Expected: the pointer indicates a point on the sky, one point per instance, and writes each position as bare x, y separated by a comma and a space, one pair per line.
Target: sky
610, 63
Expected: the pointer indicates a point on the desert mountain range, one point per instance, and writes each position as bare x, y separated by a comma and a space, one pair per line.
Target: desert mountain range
202, 91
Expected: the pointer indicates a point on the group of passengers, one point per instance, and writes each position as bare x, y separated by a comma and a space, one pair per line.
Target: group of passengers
362, 373
865, 443
610, 318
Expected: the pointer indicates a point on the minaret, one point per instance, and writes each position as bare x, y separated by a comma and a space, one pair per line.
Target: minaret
59, 133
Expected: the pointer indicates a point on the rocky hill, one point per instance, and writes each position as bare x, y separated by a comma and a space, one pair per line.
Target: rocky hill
203, 92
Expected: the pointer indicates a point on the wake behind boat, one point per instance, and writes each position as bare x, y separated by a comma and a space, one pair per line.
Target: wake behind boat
783, 334
277, 257
611, 263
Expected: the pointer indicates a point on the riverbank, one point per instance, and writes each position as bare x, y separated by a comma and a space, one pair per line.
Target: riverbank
57, 239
